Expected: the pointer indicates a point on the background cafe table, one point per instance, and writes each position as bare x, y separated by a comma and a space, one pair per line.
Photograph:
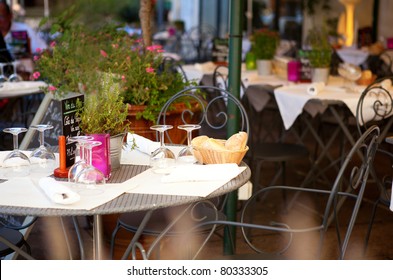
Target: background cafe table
293, 100
126, 202
19, 89
20, 93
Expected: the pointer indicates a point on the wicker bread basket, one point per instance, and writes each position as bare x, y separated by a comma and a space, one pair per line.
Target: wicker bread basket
206, 156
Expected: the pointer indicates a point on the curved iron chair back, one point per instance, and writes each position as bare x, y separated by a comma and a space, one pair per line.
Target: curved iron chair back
169, 64
378, 97
208, 107
11, 236
350, 183
375, 106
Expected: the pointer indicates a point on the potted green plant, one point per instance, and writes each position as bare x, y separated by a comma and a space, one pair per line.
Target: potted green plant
264, 43
320, 54
103, 115
80, 54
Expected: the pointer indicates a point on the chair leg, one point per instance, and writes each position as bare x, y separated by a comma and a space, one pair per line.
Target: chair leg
113, 237
283, 177
370, 225
79, 236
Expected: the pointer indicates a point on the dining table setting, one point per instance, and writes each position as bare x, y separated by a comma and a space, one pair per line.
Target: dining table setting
136, 186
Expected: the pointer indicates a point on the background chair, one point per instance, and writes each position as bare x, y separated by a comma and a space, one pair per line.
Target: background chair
172, 65
201, 104
270, 143
300, 234
375, 107
12, 239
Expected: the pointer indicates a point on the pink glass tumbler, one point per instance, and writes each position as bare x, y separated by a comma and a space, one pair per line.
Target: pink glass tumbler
101, 154
294, 70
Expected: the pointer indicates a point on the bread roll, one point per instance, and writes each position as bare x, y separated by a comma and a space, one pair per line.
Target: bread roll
199, 140
214, 144
237, 141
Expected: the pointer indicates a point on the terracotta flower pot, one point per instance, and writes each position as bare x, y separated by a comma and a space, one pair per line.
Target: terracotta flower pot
142, 126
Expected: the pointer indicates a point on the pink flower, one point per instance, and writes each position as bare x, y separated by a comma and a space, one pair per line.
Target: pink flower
36, 57
53, 44
123, 77
149, 69
103, 53
154, 48
36, 75
52, 88
38, 50
115, 46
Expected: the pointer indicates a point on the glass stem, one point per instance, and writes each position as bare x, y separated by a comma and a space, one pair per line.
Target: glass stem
80, 148
88, 154
42, 138
162, 138
189, 136
15, 141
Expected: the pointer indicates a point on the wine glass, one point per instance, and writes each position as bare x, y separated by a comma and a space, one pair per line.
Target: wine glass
3, 77
350, 73
15, 77
42, 159
186, 155
80, 141
16, 163
90, 178
162, 160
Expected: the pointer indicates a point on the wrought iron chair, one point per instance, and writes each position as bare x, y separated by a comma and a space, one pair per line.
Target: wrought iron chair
375, 106
350, 183
268, 143
201, 107
265, 145
172, 65
12, 239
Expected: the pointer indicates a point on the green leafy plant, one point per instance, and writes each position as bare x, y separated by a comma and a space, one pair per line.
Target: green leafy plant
264, 43
320, 55
80, 54
104, 110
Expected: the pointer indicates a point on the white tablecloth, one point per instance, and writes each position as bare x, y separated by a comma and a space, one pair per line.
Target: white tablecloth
292, 100
9, 89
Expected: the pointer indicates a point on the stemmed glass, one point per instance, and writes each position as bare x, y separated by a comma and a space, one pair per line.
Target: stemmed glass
79, 165
3, 78
162, 160
350, 73
16, 163
42, 159
90, 178
14, 77
186, 155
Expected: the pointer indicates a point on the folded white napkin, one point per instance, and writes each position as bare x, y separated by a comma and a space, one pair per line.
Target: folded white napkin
196, 172
143, 144
58, 192
315, 88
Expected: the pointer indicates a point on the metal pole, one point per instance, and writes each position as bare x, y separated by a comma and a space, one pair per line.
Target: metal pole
46, 8
235, 59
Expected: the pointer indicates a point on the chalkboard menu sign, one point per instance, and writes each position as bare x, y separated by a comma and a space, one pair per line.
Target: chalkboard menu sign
305, 67
61, 114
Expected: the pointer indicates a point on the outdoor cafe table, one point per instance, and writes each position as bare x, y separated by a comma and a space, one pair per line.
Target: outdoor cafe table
18, 91
125, 202
336, 99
